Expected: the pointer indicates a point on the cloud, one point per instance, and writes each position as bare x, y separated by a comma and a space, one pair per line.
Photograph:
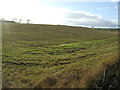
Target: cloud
78, 0
87, 19
39, 13
116, 7
115, 0
107, 8
77, 15
96, 23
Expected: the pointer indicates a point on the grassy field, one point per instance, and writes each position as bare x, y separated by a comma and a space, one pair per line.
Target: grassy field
55, 56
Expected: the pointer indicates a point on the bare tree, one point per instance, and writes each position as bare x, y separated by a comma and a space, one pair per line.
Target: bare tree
92, 26
28, 21
14, 19
20, 20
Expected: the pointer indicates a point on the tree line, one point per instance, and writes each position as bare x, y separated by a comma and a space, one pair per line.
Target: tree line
20, 20
16, 20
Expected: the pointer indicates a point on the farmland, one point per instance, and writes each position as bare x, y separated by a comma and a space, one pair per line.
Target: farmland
55, 56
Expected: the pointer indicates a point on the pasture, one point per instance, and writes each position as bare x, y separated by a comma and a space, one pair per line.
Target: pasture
55, 56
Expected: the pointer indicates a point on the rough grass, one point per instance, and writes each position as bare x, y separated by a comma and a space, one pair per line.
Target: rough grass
55, 56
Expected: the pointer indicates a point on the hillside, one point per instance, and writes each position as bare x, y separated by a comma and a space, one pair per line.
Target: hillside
55, 56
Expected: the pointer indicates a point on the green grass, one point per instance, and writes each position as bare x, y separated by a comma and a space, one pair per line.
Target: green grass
53, 56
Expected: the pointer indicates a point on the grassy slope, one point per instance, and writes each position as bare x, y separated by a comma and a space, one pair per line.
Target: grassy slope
55, 56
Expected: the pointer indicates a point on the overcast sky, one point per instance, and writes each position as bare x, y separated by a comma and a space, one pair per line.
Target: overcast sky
65, 12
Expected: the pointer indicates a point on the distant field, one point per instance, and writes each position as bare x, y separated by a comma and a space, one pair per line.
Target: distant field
43, 56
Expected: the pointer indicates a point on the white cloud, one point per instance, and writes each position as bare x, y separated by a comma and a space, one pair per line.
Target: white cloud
116, 7
77, 0
115, 0
78, 14
39, 13
85, 18
80, 0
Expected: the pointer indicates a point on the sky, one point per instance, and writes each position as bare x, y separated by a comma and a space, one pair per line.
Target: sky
97, 13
